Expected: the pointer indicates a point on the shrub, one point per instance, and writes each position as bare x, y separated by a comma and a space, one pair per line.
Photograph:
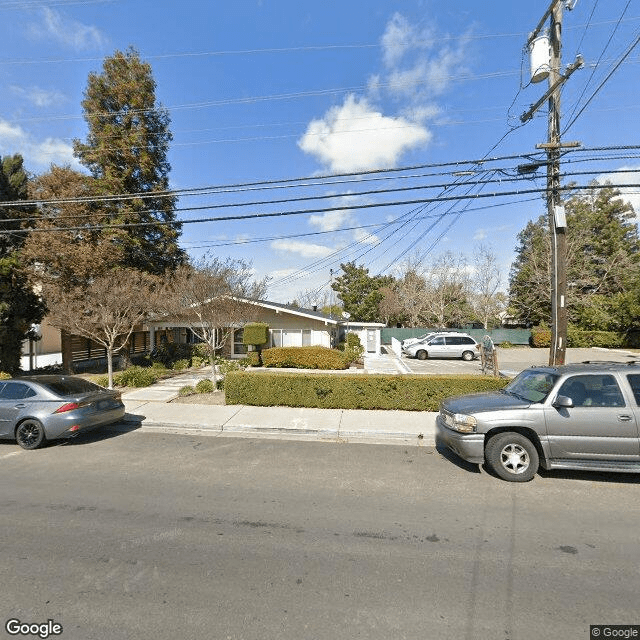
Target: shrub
304, 358
506, 345
197, 361
186, 391
255, 333
541, 337
201, 350
606, 339
204, 386
4, 375
136, 377
408, 393
181, 365
103, 381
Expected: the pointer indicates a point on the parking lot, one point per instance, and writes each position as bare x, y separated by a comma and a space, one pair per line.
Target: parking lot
512, 361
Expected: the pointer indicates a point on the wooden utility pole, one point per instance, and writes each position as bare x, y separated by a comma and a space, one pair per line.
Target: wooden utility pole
555, 212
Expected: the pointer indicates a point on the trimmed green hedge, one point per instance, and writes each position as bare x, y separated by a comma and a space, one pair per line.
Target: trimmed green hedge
541, 337
304, 358
335, 391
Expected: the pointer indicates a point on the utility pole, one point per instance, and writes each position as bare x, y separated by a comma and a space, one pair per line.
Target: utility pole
553, 146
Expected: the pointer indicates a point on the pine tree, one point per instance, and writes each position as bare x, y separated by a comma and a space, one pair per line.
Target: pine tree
126, 152
603, 264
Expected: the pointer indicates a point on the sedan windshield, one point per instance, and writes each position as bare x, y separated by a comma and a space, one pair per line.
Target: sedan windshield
532, 386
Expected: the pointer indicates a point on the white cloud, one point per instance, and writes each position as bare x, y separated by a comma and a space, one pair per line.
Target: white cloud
39, 97
357, 137
480, 234
419, 64
307, 250
70, 33
361, 235
14, 139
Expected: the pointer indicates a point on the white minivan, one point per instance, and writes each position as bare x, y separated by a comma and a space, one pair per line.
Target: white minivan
444, 345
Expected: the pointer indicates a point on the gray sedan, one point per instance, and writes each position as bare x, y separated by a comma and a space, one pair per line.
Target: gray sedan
34, 409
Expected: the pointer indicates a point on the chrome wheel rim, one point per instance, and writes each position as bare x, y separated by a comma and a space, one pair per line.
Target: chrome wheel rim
514, 458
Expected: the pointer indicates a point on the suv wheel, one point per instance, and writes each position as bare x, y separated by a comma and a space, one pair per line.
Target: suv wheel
512, 456
422, 355
467, 355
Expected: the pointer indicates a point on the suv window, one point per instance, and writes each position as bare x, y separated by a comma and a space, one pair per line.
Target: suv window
454, 340
634, 383
467, 340
436, 341
593, 391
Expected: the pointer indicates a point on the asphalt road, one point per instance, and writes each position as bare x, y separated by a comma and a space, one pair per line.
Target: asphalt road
133, 535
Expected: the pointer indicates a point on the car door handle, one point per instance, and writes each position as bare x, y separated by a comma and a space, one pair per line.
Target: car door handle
20, 406
624, 418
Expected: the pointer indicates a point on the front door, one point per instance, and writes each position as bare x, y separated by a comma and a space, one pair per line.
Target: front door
600, 425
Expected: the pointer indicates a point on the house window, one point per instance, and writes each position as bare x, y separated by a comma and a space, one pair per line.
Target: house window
291, 338
276, 337
238, 346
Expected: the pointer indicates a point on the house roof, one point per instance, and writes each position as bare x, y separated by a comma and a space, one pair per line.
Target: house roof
296, 311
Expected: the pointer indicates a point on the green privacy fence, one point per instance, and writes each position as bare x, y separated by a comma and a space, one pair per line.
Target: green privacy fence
514, 336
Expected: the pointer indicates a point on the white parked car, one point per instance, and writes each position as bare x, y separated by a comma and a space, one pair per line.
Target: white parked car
444, 345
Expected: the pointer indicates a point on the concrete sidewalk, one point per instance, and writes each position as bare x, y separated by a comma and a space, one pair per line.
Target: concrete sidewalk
151, 408
337, 425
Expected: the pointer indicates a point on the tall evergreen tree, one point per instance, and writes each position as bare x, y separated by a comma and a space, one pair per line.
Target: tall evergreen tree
603, 264
126, 152
359, 292
20, 307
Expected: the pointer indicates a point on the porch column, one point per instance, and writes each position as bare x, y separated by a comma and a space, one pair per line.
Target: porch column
152, 338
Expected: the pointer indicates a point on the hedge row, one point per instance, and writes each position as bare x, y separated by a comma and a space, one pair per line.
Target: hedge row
541, 337
335, 391
305, 358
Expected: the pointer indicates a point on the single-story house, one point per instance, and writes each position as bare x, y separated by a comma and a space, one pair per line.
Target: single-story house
288, 327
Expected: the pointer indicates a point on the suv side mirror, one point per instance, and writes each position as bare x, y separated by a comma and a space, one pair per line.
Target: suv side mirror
563, 402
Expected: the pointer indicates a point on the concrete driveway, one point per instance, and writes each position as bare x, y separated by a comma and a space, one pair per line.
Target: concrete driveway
512, 361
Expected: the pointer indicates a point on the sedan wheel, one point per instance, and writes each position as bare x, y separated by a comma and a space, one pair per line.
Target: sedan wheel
30, 434
512, 456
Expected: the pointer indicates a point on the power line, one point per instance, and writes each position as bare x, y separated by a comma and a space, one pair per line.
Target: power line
595, 93
253, 216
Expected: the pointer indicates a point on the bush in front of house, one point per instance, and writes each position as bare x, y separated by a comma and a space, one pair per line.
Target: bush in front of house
4, 375
187, 390
304, 358
406, 393
204, 386
181, 365
136, 377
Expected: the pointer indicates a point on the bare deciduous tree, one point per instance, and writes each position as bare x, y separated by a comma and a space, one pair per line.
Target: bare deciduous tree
486, 299
213, 298
105, 310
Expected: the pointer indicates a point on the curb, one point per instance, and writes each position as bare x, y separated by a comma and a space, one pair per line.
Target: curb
321, 435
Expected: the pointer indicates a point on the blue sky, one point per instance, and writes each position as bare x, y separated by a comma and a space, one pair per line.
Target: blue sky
269, 90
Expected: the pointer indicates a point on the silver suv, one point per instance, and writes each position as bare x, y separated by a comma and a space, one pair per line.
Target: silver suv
580, 416
443, 345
